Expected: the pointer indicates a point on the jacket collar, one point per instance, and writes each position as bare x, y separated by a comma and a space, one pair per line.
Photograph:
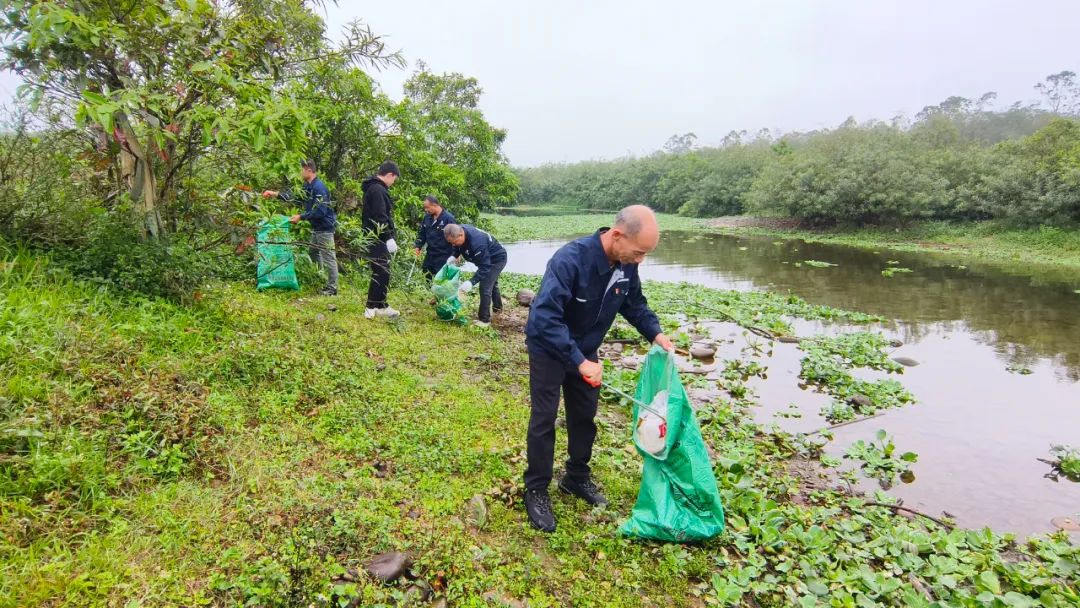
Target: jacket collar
600, 260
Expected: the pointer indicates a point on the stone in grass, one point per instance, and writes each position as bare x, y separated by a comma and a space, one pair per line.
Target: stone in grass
417, 592
906, 361
525, 297
388, 567
477, 512
499, 599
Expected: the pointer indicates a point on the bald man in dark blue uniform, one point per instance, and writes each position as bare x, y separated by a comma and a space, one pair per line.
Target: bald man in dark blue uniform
587, 282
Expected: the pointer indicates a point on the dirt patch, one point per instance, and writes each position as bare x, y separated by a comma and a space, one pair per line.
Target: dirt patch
510, 323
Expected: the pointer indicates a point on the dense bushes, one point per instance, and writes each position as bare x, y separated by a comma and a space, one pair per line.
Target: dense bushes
956, 162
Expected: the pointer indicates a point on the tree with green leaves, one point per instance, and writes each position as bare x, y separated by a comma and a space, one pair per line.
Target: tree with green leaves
159, 82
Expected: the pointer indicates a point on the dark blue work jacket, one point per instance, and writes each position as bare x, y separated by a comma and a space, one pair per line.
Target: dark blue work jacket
580, 294
481, 249
431, 234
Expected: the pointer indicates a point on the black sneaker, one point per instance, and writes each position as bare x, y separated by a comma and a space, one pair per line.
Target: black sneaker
586, 490
538, 506
328, 292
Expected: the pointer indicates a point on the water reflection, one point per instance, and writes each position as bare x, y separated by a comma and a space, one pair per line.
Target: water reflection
1024, 317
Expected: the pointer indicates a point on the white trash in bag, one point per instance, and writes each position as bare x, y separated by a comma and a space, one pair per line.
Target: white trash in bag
651, 431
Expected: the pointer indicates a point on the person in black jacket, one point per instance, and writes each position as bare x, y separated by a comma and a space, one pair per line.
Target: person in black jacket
431, 234
482, 249
587, 282
378, 222
319, 211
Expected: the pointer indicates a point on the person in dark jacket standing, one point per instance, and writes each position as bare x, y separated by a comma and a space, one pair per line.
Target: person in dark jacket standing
586, 283
482, 249
378, 222
431, 235
318, 210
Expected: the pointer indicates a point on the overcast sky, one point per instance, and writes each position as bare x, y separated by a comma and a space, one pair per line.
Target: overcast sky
602, 79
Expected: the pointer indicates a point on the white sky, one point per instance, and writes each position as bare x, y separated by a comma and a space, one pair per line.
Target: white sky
604, 78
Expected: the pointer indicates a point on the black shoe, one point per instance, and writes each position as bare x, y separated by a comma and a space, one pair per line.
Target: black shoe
538, 506
328, 292
585, 490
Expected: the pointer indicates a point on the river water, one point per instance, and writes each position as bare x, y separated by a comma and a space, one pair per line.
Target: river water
979, 426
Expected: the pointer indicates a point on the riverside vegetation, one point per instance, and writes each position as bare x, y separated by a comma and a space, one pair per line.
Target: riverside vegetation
962, 174
168, 436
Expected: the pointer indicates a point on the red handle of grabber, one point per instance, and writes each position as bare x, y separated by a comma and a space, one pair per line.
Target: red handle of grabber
590, 382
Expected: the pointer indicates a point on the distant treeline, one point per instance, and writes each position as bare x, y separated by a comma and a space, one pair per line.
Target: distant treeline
957, 160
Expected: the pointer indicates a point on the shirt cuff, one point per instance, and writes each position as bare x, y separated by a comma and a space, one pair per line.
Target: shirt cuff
576, 357
651, 332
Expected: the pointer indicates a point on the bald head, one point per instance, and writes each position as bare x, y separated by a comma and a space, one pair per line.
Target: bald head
634, 219
634, 235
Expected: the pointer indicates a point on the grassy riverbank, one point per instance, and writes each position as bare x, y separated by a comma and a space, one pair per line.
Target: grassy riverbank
991, 241
258, 449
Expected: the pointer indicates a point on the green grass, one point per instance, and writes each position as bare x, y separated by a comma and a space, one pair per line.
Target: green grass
508, 228
985, 240
254, 448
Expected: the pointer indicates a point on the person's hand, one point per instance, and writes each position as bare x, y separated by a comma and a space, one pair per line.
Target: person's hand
664, 342
391, 246
269, 193
416, 251
591, 372
294, 219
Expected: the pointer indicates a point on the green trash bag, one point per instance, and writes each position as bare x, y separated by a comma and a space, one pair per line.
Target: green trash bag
277, 266
445, 286
678, 500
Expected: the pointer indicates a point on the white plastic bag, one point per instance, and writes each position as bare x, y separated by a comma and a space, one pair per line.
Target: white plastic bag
651, 431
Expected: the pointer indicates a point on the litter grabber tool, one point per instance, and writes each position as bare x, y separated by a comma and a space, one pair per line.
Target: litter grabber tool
408, 278
634, 400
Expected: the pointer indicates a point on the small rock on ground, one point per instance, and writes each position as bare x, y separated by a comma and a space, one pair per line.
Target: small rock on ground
525, 297
703, 351
501, 600
388, 567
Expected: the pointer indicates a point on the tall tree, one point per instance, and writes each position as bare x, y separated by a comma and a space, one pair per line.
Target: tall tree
445, 109
161, 80
1061, 91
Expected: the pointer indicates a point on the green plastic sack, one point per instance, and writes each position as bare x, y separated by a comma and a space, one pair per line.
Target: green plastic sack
277, 266
678, 500
445, 286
